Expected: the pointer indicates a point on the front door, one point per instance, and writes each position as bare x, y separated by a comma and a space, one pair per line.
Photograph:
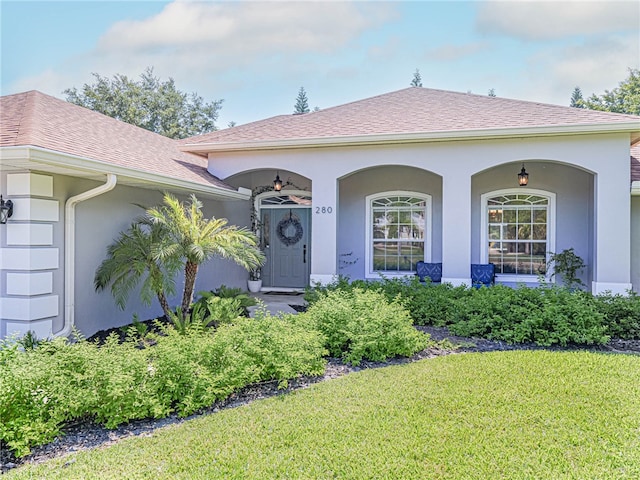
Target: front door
285, 240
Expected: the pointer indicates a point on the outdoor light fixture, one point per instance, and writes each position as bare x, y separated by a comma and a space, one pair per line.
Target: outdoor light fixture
523, 177
277, 183
6, 210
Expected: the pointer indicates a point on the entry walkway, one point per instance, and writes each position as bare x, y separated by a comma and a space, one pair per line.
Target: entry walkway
276, 303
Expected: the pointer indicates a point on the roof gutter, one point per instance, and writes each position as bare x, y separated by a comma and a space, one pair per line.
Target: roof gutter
632, 128
55, 158
635, 188
70, 250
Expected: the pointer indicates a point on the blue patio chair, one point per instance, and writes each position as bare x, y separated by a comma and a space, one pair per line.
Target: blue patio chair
483, 274
432, 271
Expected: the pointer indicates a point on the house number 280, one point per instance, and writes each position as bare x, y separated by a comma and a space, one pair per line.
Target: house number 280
320, 210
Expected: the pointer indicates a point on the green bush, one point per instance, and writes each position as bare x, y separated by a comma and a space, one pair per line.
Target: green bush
545, 316
621, 314
362, 324
43, 389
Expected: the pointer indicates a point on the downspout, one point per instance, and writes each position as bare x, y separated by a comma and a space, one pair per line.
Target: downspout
70, 250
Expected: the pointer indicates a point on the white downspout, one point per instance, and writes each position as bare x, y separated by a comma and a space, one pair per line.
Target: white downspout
70, 250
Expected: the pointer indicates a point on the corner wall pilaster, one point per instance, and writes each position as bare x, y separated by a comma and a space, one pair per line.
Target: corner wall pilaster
28, 257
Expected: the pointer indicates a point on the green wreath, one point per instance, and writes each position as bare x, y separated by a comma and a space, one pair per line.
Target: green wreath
283, 226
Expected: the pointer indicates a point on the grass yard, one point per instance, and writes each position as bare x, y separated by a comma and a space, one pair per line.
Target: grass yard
515, 415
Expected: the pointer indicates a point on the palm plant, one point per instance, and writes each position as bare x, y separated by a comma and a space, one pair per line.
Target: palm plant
195, 239
133, 256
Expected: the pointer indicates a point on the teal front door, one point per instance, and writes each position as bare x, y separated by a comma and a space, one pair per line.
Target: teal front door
286, 235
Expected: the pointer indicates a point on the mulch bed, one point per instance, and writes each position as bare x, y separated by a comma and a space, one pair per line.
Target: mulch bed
86, 435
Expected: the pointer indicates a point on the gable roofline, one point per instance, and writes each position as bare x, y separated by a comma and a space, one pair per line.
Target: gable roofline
632, 128
88, 166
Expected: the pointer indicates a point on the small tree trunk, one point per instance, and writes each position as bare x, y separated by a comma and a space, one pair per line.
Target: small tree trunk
190, 273
165, 305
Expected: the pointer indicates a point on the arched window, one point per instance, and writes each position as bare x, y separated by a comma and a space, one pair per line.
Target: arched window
518, 232
398, 232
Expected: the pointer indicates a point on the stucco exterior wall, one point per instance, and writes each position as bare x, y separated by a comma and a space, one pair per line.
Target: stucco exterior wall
98, 223
353, 190
635, 243
574, 204
589, 173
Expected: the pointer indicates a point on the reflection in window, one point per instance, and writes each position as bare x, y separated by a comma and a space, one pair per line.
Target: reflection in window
398, 232
518, 233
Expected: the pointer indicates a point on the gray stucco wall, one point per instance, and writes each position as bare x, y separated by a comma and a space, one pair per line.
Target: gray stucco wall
353, 190
635, 243
574, 204
98, 223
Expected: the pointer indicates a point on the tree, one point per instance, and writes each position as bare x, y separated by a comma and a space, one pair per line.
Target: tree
131, 258
167, 239
302, 104
492, 92
417, 79
195, 240
148, 103
623, 99
576, 98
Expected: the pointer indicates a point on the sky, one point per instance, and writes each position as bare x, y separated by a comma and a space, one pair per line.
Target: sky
256, 55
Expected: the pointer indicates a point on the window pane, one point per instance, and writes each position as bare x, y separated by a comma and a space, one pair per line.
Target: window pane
540, 232
510, 232
524, 232
509, 216
494, 232
540, 216
524, 216
524, 265
378, 263
539, 249
495, 216
404, 264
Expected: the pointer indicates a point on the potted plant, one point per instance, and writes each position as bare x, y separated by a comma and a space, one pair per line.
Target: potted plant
567, 264
255, 280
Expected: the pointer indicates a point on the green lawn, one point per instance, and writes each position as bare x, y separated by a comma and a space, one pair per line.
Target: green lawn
515, 415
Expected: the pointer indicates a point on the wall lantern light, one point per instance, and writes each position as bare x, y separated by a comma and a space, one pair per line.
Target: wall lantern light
277, 183
523, 177
6, 210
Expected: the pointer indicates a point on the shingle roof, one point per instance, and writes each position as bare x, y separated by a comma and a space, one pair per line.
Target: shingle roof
412, 110
35, 119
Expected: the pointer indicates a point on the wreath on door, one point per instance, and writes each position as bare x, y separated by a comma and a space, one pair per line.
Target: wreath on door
282, 231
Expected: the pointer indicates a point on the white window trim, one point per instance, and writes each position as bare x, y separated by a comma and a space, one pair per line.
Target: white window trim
551, 229
257, 205
369, 272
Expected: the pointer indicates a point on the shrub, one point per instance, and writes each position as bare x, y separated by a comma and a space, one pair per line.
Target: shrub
545, 316
362, 324
621, 314
44, 388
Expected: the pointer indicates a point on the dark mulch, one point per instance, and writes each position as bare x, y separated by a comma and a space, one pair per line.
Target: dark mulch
86, 435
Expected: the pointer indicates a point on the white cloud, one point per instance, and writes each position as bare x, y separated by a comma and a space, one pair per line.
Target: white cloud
51, 82
596, 65
227, 46
451, 52
245, 29
540, 20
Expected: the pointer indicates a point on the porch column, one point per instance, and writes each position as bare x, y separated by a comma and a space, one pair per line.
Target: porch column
612, 250
456, 227
324, 229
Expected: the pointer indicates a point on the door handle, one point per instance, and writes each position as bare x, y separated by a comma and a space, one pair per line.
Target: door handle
304, 253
